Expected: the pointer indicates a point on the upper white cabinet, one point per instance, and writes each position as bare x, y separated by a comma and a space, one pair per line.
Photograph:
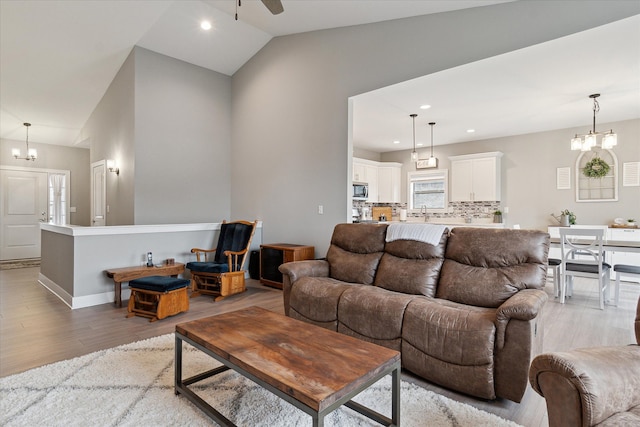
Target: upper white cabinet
367, 171
389, 183
383, 179
476, 177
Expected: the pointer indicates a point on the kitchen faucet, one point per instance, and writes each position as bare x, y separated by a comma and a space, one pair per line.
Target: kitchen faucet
423, 210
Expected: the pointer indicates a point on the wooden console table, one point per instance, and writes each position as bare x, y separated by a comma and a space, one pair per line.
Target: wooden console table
274, 254
127, 274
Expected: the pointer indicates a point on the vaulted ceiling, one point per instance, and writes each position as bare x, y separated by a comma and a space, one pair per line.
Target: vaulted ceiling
57, 59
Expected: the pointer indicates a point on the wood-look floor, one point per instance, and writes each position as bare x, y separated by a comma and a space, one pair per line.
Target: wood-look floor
36, 328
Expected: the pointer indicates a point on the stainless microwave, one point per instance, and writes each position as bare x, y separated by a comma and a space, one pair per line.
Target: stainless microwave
360, 191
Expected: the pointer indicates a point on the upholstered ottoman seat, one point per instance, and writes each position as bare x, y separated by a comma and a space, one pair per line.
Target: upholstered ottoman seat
157, 297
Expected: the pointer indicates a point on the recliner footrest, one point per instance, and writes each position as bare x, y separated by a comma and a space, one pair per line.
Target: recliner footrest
157, 297
159, 283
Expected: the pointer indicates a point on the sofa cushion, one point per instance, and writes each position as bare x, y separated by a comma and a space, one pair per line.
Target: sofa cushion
355, 252
373, 314
451, 344
485, 267
411, 267
315, 299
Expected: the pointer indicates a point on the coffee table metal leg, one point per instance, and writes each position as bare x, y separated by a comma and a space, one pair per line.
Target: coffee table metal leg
395, 404
180, 386
395, 397
178, 365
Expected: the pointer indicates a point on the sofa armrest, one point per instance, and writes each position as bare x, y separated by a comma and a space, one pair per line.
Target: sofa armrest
587, 386
309, 268
293, 271
525, 305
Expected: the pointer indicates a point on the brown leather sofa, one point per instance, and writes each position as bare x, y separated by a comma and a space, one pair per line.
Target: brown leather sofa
464, 312
597, 386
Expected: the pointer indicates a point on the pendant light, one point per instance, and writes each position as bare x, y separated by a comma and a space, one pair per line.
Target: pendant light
432, 162
587, 141
414, 153
32, 153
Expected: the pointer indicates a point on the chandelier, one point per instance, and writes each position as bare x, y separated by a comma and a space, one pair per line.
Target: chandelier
587, 141
32, 153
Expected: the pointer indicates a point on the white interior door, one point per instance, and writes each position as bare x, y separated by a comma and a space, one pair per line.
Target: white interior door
98, 194
23, 206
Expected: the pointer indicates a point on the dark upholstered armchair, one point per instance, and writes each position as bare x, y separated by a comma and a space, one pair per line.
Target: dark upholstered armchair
220, 271
597, 386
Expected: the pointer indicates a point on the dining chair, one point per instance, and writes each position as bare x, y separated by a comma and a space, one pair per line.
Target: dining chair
627, 270
583, 256
555, 264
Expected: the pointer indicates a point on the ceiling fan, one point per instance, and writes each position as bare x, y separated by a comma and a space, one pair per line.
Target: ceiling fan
274, 6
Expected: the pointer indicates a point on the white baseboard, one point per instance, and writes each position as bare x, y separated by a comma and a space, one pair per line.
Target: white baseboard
83, 301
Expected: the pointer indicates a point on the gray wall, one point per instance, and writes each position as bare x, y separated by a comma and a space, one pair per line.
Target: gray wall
167, 124
529, 174
75, 160
290, 127
110, 131
58, 260
182, 144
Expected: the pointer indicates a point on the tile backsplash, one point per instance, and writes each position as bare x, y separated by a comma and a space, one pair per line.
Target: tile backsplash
455, 209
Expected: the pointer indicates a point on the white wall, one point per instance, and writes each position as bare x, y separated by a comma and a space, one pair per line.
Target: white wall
291, 148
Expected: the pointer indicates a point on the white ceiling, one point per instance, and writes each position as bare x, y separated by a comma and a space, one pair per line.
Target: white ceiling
57, 59
543, 87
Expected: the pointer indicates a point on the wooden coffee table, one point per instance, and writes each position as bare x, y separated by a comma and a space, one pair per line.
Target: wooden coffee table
315, 369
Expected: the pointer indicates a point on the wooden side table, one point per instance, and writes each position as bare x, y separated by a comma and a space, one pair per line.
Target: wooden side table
127, 274
275, 254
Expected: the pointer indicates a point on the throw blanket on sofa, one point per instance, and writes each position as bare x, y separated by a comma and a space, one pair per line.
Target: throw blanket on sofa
427, 233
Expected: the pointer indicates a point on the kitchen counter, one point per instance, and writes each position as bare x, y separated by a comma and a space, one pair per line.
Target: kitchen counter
449, 222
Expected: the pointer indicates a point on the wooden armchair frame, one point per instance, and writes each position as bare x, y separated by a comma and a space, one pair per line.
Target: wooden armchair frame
224, 284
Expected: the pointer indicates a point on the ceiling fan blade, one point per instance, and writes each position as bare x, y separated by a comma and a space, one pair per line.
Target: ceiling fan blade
274, 6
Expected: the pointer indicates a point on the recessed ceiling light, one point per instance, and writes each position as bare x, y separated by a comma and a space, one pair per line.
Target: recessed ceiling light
205, 25
425, 107
396, 142
471, 130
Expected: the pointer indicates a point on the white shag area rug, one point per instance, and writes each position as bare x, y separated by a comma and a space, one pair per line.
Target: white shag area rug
132, 385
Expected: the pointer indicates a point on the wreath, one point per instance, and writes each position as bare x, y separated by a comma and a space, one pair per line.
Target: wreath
596, 168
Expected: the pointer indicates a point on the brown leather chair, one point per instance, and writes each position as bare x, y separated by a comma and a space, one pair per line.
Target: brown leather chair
597, 386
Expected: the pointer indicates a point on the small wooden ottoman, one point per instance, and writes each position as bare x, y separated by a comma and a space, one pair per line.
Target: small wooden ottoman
157, 297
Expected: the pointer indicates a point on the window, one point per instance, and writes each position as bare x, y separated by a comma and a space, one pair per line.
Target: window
428, 189
57, 198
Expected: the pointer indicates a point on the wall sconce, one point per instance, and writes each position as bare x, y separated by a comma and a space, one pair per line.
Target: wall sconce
111, 165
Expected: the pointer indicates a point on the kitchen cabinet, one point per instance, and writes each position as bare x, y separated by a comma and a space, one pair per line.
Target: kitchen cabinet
476, 177
384, 179
359, 171
389, 177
